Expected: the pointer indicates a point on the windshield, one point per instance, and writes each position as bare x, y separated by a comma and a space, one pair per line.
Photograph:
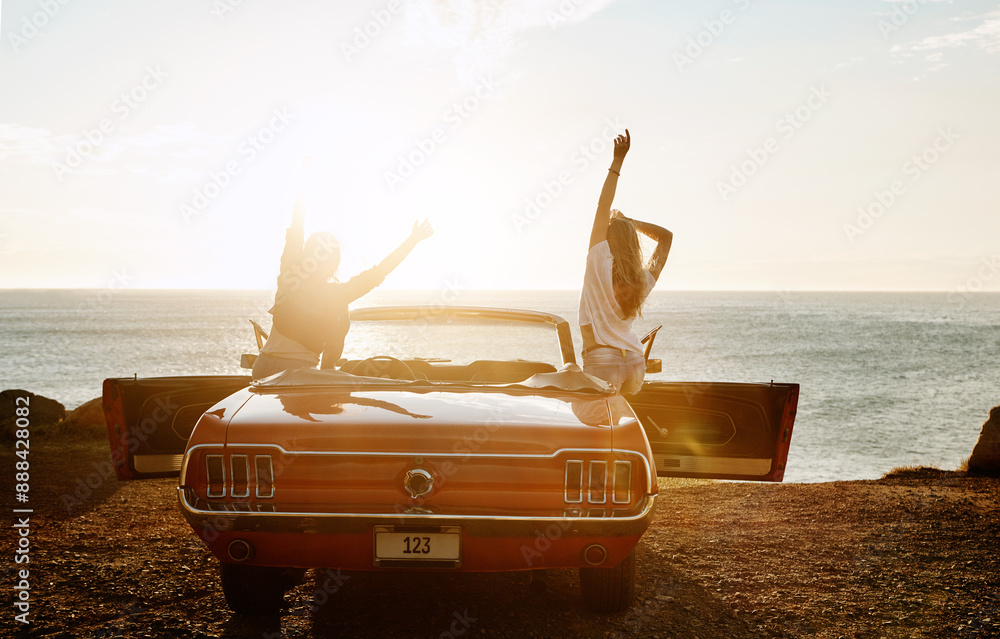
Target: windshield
454, 340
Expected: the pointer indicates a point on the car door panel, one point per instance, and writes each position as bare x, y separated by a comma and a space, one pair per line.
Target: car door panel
718, 430
150, 419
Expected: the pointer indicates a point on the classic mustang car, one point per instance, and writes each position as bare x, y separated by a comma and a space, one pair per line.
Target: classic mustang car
425, 463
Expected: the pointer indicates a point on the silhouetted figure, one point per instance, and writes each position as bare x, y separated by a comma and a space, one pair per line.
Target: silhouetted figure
310, 307
615, 285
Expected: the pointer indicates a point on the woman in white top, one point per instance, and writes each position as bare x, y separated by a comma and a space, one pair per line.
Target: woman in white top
615, 285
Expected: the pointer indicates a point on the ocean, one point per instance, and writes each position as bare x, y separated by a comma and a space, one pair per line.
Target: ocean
887, 379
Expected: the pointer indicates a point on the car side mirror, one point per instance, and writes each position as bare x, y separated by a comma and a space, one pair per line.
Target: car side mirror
654, 366
648, 339
247, 360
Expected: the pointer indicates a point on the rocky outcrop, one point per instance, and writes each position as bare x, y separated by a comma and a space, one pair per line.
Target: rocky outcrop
985, 458
40, 411
86, 420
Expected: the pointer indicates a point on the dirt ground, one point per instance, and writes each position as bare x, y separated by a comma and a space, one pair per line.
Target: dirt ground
914, 555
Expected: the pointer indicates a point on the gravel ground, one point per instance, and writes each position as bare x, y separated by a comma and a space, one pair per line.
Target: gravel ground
911, 555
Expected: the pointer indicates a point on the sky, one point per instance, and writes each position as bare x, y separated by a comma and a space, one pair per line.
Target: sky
829, 145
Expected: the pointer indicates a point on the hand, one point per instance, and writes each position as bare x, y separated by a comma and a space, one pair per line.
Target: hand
421, 231
622, 143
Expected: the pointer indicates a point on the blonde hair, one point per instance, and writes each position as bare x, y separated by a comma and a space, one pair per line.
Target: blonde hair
627, 272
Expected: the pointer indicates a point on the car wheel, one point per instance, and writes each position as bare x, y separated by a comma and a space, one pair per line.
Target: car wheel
609, 589
255, 590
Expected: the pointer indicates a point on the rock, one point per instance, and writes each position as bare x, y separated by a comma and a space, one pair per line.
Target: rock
985, 459
86, 420
40, 411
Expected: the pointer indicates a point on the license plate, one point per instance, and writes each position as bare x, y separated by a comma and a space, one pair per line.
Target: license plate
418, 545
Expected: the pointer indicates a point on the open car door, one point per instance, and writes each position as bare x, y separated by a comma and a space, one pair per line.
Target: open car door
718, 430
150, 419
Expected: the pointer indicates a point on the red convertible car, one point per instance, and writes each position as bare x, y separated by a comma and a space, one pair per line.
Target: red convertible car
418, 462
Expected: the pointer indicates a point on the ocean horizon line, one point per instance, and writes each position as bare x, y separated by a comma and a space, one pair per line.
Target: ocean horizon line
489, 289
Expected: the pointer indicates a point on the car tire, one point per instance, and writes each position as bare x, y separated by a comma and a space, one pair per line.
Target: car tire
255, 590
609, 589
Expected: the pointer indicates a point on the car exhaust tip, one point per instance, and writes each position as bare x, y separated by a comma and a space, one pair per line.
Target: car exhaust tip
595, 554
240, 550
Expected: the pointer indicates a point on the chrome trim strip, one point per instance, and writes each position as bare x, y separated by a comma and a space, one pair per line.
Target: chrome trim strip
424, 453
156, 463
757, 466
246, 474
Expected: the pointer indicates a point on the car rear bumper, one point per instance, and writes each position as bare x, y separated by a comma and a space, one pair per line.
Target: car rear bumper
346, 540
212, 517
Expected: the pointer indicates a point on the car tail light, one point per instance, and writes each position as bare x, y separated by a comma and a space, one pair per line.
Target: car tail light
238, 476
622, 487
591, 479
598, 481
215, 468
241, 475
574, 481
265, 476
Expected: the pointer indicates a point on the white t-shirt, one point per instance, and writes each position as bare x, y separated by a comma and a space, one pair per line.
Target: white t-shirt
598, 306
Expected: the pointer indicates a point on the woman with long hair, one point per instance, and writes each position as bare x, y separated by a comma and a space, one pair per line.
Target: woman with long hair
615, 286
310, 312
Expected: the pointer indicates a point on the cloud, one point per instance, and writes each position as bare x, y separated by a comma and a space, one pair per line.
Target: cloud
17, 140
985, 36
481, 34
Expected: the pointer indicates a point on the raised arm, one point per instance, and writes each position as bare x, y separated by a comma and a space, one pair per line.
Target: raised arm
421, 231
361, 284
298, 214
599, 232
299, 211
663, 238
